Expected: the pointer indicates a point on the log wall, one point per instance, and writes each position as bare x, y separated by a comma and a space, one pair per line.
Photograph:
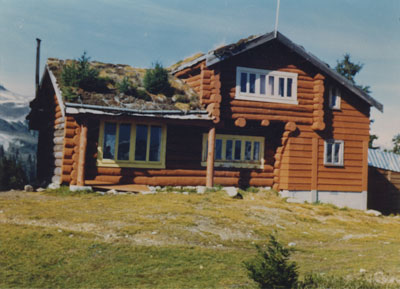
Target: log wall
303, 166
51, 135
266, 57
183, 163
384, 190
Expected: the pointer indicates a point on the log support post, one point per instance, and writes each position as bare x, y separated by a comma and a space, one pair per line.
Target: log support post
82, 155
210, 158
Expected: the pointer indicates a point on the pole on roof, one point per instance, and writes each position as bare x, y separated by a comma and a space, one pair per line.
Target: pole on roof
277, 18
37, 64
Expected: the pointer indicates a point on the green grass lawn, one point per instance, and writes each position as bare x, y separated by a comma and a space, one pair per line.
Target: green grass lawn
172, 240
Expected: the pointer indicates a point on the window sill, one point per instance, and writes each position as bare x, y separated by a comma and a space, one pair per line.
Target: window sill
266, 99
334, 165
145, 165
240, 165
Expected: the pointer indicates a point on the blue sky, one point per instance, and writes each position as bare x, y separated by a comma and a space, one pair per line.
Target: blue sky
140, 32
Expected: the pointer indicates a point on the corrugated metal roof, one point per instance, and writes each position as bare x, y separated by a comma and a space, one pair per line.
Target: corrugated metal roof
384, 160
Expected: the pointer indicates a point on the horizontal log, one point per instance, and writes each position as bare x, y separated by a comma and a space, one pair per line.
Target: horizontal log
65, 179
58, 140
240, 122
69, 143
58, 155
58, 162
179, 172
56, 179
273, 117
58, 114
57, 171
66, 169
68, 152
265, 111
67, 161
69, 132
270, 105
293, 70
58, 148
207, 73
340, 175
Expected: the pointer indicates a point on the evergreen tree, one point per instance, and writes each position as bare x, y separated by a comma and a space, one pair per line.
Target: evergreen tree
12, 175
396, 144
349, 70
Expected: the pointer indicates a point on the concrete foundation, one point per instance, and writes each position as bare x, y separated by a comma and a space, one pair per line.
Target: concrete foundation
354, 200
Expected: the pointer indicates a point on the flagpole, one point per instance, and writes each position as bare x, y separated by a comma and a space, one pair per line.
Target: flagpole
277, 18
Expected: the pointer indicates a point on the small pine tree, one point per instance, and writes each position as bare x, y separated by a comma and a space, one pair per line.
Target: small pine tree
349, 69
126, 86
80, 74
271, 268
156, 80
396, 144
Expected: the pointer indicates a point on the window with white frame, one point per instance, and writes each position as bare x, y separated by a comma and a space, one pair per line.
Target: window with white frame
334, 98
334, 151
266, 85
128, 144
236, 151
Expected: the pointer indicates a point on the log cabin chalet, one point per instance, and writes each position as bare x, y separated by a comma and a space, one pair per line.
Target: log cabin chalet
260, 112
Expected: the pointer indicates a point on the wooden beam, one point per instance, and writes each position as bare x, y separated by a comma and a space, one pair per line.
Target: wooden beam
240, 122
290, 126
314, 164
265, 122
364, 185
82, 154
210, 158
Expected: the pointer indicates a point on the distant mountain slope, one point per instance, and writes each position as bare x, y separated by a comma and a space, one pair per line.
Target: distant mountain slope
15, 136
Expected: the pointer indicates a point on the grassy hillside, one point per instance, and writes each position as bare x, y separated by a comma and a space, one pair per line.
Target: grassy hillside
172, 240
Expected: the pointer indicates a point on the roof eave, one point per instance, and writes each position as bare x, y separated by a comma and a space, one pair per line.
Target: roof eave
77, 108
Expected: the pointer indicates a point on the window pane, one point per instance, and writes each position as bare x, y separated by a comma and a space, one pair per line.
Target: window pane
256, 151
247, 151
155, 143
252, 83
329, 153
271, 83
229, 149
289, 87
262, 84
109, 140
333, 100
243, 82
218, 149
281, 86
238, 149
141, 143
124, 141
336, 154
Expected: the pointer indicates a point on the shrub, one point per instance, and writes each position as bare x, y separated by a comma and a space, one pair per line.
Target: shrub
156, 80
126, 87
142, 94
80, 74
271, 267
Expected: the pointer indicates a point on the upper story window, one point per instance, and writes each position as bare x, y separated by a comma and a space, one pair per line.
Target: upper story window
334, 98
334, 151
266, 85
127, 144
236, 151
